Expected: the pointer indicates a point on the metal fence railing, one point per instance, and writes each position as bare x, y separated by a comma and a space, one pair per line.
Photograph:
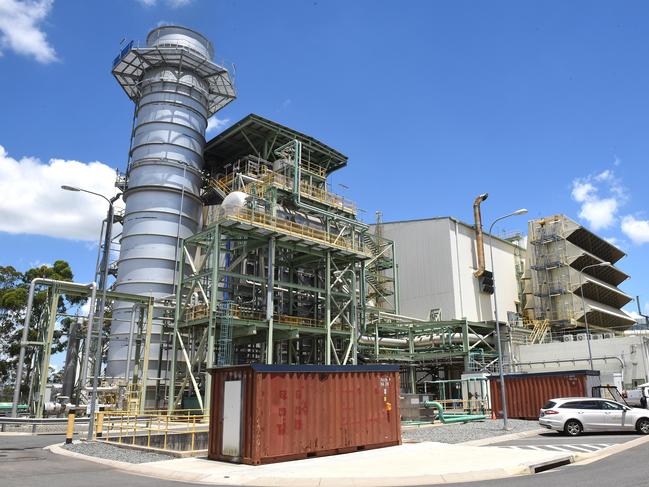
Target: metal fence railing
184, 430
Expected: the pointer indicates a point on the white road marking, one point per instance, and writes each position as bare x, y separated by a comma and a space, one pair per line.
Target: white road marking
557, 447
582, 447
594, 447
579, 448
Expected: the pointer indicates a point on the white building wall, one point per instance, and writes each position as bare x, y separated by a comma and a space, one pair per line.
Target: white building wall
425, 268
437, 259
626, 355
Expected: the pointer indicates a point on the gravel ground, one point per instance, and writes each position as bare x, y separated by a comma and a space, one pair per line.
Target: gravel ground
111, 452
461, 432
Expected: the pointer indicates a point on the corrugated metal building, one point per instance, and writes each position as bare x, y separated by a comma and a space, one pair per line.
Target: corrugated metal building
436, 259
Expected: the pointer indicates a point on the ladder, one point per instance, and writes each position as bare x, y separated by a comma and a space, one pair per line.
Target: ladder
224, 356
539, 331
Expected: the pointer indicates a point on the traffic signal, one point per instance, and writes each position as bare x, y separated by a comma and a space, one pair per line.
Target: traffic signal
486, 281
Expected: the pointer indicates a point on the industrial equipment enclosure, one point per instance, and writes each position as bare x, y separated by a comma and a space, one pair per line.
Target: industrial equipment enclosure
269, 413
528, 392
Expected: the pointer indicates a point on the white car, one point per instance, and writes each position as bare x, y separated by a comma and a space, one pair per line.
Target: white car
575, 415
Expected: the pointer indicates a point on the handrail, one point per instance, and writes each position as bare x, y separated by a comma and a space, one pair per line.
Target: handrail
288, 227
270, 178
200, 311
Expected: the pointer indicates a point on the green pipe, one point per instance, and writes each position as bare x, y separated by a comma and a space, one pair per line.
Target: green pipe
297, 156
452, 418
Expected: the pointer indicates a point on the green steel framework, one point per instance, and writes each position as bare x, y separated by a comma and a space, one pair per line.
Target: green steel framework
290, 288
289, 275
45, 326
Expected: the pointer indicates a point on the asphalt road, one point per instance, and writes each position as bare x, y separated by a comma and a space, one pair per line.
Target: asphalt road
23, 463
553, 441
625, 469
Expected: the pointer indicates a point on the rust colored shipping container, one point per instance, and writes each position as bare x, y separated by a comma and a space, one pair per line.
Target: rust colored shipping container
269, 413
528, 392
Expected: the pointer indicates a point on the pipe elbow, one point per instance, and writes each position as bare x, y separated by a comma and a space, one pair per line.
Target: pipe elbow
480, 199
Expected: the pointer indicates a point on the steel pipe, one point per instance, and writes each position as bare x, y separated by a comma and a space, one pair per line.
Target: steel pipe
25, 334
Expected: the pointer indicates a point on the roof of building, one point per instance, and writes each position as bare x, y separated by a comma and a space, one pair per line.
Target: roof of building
582, 237
255, 135
453, 219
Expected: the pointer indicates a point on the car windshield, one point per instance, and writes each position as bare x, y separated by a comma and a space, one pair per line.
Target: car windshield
549, 405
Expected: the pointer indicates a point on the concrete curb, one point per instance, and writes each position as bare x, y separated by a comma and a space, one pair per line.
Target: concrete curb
152, 470
550, 464
499, 439
58, 450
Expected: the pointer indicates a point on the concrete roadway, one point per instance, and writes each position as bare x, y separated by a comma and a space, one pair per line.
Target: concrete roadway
23, 463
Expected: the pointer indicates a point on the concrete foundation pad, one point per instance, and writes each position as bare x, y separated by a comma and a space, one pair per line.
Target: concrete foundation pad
408, 464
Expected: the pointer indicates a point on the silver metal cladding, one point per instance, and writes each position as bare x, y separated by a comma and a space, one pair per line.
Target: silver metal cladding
176, 87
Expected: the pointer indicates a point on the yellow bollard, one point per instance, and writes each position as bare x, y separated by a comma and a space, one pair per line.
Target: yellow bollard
70, 431
100, 424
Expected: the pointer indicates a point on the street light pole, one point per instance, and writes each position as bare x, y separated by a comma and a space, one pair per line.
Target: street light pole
501, 373
583, 305
103, 281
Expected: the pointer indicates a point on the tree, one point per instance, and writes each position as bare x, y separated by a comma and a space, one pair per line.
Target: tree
14, 290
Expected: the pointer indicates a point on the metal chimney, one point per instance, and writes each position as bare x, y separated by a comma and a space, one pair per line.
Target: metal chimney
176, 87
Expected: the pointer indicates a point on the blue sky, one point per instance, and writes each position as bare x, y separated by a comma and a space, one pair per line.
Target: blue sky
542, 104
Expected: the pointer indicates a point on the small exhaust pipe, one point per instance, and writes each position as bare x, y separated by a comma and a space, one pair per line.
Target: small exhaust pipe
479, 237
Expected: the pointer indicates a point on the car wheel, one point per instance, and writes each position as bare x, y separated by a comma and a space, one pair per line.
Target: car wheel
574, 427
642, 426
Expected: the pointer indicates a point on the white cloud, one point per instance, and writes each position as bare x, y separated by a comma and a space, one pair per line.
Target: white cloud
599, 211
170, 3
581, 191
606, 175
214, 123
636, 230
20, 29
33, 202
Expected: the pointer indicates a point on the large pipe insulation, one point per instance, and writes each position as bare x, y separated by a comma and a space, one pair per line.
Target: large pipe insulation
479, 236
71, 361
424, 340
176, 87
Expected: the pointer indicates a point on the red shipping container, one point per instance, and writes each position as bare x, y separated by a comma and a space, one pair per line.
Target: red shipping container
527, 392
269, 413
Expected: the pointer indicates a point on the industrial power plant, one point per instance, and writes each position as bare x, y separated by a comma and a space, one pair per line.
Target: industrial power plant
245, 288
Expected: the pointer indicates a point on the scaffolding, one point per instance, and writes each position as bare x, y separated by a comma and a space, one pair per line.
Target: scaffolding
559, 250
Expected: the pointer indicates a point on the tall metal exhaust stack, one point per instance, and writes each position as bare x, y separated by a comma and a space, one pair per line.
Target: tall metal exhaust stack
176, 87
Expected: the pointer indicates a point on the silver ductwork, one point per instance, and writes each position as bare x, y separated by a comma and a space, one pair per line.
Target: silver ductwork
176, 87
425, 340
